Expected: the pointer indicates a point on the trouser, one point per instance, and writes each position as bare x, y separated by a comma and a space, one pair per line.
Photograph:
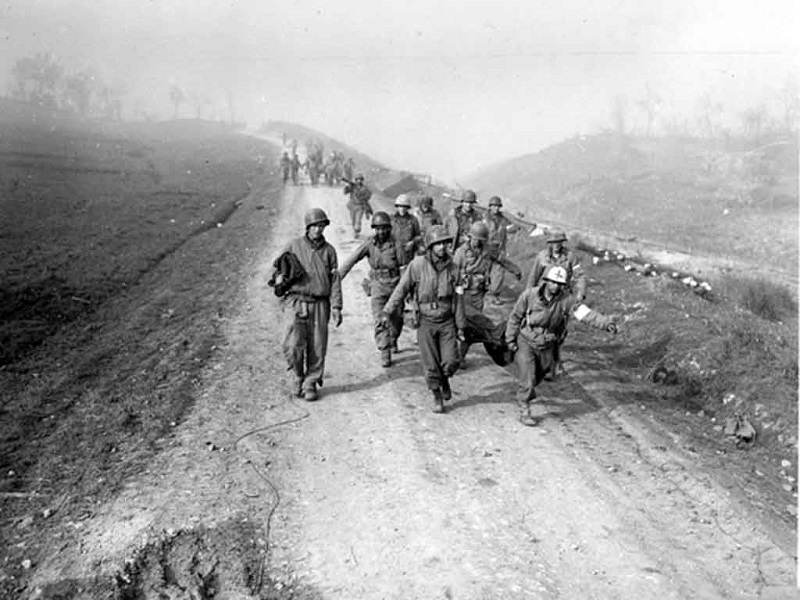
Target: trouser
533, 364
496, 275
438, 351
306, 340
357, 212
285, 175
385, 337
473, 299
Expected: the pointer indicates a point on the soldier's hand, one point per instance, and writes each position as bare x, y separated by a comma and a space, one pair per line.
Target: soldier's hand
460, 335
383, 319
512, 346
336, 316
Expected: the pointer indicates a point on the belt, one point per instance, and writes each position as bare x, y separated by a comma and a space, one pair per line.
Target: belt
385, 272
443, 303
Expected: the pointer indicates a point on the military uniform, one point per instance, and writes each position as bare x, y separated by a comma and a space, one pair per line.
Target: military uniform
459, 222
310, 300
408, 234
432, 283
385, 259
428, 219
358, 205
499, 226
537, 325
576, 279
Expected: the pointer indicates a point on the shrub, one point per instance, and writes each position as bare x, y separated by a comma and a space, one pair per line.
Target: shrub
764, 298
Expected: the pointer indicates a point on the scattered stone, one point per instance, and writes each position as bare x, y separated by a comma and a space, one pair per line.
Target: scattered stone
27, 564
792, 509
786, 464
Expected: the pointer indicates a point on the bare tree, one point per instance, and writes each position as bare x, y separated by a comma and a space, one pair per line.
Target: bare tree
200, 102
754, 121
650, 105
789, 99
79, 92
619, 115
710, 120
177, 96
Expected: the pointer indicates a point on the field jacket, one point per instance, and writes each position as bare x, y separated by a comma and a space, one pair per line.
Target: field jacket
433, 286
474, 266
406, 231
321, 279
385, 260
498, 232
458, 224
543, 323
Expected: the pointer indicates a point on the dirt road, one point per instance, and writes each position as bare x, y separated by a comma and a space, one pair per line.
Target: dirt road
367, 494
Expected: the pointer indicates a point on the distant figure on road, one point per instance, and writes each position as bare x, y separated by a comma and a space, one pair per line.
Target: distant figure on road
405, 228
385, 256
295, 166
537, 326
427, 217
314, 299
431, 280
349, 168
499, 228
461, 218
358, 205
286, 166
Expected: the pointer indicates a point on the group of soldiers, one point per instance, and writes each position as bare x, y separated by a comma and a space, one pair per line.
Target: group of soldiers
444, 270
332, 170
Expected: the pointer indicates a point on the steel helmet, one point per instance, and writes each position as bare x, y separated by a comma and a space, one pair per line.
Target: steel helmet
557, 275
479, 231
495, 201
469, 196
316, 216
359, 177
436, 234
402, 200
556, 236
426, 201
381, 219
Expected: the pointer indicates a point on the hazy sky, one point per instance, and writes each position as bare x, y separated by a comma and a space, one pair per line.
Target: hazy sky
442, 87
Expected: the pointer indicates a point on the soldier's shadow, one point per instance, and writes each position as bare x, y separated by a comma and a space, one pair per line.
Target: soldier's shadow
558, 400
404, 366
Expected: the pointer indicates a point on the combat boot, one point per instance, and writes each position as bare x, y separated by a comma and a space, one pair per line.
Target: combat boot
311, 393
447, 394
298, 387
438, 401
525, 417
386, 358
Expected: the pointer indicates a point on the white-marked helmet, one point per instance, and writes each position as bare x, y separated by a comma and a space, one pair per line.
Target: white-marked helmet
557, 275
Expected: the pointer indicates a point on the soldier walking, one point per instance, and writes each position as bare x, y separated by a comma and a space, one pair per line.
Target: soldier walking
427, 217
286, 167
358, 204
405, 228
295, 167
499, 228
474, 263
385, 256
314, 299
431, 280
461, 218
534, 330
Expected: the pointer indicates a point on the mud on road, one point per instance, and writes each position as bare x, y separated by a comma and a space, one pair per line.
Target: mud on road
367, 494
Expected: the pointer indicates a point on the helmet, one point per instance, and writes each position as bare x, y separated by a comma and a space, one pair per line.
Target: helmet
402, 200
495, 201
316, 216
436, 234
380, 219
469, 196
557, 275
426, 201
359, 177
479, 231
556, 236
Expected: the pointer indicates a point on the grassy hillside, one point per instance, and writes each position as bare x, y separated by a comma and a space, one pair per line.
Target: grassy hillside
716, 198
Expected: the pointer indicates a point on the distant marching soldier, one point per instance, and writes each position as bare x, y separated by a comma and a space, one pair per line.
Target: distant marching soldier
474, 263
537, 323
314, 299
499, 228
286, 166
358, 205
385, 256
349, 168
461, 218
427, 217
431, 280
405, 228
295, 167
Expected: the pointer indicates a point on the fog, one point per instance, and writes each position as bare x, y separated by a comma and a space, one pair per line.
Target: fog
441, 87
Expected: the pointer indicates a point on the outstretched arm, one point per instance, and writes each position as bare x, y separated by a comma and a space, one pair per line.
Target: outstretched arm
359, 254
